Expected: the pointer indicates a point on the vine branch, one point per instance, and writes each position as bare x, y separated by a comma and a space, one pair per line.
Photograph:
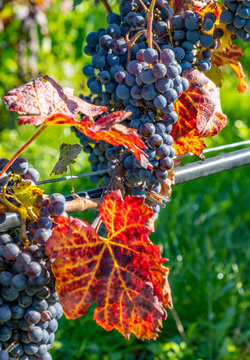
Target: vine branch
19, 152
150, 17
107, 6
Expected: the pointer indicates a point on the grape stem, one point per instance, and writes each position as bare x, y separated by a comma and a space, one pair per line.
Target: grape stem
143, 5
19, 152
107, 6
150, 17
130, 42
18, 210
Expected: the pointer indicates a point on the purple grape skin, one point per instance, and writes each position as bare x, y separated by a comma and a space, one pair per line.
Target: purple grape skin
32, 316
42, 235
56, 208
161, 175
10, 251
159, 70
33, 269
147, 129
4, 179
167, 56
44, 222
35, 334
44, 211
166, 163
31, 174
19, 282
163, 151
3, 162
20, 166
154, 141
150, 56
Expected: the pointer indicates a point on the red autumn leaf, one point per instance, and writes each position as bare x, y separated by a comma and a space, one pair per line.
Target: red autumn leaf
117, 134
231, 57
43, 101
111, 119
123, 274
199, 111
42, 98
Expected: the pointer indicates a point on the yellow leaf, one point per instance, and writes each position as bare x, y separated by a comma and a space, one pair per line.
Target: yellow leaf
28, 195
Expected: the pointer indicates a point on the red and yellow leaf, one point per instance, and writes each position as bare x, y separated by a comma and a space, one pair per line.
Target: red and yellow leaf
123, 274
189, 143
42, 98
213, 6
231, 57
226, 40
43, 101
199, 113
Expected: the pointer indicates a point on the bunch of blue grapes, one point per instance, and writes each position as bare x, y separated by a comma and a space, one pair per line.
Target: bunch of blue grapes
29, 307
19, 169
145, 81
192, 43
237, 19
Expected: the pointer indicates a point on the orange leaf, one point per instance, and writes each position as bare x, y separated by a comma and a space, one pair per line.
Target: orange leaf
199, 111
123, 274
189, 143
231, 57
215, 7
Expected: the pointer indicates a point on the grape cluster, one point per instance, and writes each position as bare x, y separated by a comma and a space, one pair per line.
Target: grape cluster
126, 74
140, 80
20, 169
192, 43
29, 307
237, 19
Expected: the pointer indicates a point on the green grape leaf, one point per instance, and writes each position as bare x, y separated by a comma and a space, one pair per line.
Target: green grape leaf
68, 154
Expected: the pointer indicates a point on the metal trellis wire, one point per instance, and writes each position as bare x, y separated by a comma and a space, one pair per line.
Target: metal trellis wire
183, 174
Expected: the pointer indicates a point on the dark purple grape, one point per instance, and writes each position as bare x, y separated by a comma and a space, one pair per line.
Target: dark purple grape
17, 312
16, 350
5, 313
20, 166
19, 282
161, 175
5, 278
167, 56
44, 211
30, 349
44, 222
163, 151
4, 355
58, 197
154, 141
147, 129
56, 208
166, 163
35, 334
150, 56
4, 179
31, 174
10, 251
32, 316
5, 333
33, 269
24, 300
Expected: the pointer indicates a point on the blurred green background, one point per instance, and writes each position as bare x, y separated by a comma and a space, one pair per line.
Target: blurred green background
204, 229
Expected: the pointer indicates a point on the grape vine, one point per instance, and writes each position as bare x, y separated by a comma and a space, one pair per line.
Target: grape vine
152, 96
